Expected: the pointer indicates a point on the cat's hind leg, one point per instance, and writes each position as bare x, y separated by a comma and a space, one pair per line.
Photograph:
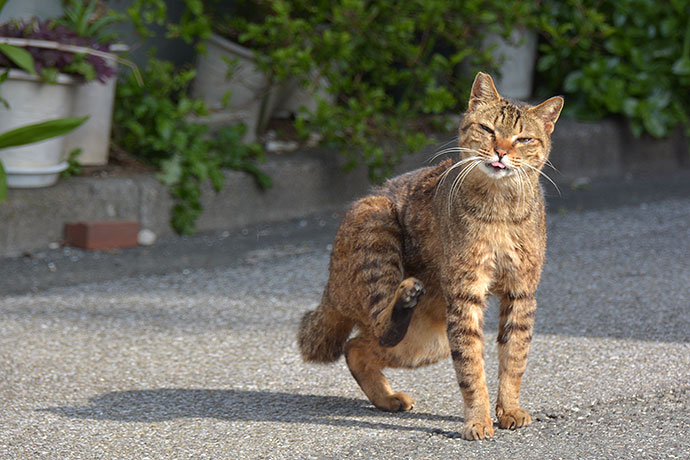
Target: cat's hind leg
366, 366
368, 355
367, 276
371, 245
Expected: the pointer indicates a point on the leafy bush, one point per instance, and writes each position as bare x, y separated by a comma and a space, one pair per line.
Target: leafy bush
625, 57
49, 62
153, 122
194, 23
386, 64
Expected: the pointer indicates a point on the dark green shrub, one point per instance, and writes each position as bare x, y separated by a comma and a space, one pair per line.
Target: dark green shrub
387, 64
624, 57
192, 25
153, 122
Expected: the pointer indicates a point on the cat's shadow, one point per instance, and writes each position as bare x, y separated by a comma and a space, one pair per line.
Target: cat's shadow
156, 405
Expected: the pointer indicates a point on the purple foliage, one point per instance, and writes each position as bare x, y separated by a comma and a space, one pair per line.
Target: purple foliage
48, 58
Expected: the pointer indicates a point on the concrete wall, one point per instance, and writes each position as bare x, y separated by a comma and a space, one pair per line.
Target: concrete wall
304, 183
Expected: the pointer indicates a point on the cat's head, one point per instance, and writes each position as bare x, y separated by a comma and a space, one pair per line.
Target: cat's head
506, 137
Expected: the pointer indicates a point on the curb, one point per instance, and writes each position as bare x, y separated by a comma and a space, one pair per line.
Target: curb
305, 183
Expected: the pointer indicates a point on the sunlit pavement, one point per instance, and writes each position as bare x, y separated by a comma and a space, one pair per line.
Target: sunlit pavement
200, 360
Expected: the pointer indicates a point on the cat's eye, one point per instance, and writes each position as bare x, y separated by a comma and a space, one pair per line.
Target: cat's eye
486, 128
524, 140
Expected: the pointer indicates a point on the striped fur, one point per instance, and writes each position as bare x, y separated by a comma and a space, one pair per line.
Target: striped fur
414, 263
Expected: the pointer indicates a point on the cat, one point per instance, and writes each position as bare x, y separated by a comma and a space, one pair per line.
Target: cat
413, 263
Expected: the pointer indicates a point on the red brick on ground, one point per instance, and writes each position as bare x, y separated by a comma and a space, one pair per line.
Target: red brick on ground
102, 234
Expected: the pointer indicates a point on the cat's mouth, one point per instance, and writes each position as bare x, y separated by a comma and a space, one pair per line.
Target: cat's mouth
496, 169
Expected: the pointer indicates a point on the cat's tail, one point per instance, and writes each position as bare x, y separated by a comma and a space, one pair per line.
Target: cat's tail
322, 334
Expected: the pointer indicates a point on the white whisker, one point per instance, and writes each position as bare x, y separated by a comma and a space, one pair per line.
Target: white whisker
524, 182
445, 151
550, 165
457, 183
456, 165
518, 179
453, 139
547, 177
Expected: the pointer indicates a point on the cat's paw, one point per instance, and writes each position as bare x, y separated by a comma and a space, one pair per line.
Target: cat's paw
397, 402
473, 431
411, 289
513, 418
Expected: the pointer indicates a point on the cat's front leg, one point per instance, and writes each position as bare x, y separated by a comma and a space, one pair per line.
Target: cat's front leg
514, 337
464, 324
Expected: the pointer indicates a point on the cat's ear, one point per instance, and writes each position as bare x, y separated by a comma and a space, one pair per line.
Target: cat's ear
549, 111
483, 91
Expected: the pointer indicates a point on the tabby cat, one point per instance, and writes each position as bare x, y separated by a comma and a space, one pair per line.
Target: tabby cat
413, 264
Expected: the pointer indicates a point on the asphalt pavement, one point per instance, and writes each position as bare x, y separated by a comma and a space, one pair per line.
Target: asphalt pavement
186, 350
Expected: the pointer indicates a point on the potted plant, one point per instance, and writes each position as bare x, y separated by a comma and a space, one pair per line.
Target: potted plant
234, 88
232, 79
31, 134
391, 67
94, 98
61, 58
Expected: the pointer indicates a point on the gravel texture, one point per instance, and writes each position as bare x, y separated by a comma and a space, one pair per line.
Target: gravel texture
201, 363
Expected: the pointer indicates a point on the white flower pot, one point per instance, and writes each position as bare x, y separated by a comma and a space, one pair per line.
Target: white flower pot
294, 97
36, 177
516, 57
32, 101
95, 100
252, 99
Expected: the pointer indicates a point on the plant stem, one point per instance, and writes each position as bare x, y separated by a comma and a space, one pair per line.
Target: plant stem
686, 42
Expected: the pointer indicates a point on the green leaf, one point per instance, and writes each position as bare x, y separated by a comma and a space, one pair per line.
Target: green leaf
165, 128
3, 77
73, 166
571, 82
171, 170
19, 56
3, 183
654, 126
50, 74
217, 178
630, 106
39, 131
546, 62
82, 67
681, 66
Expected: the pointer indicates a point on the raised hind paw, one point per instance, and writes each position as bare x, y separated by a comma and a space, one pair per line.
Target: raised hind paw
473, 431
410, 290
513, 418
397, 402
406, 298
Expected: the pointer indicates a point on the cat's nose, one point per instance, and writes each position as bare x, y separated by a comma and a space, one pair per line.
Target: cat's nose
500, 152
